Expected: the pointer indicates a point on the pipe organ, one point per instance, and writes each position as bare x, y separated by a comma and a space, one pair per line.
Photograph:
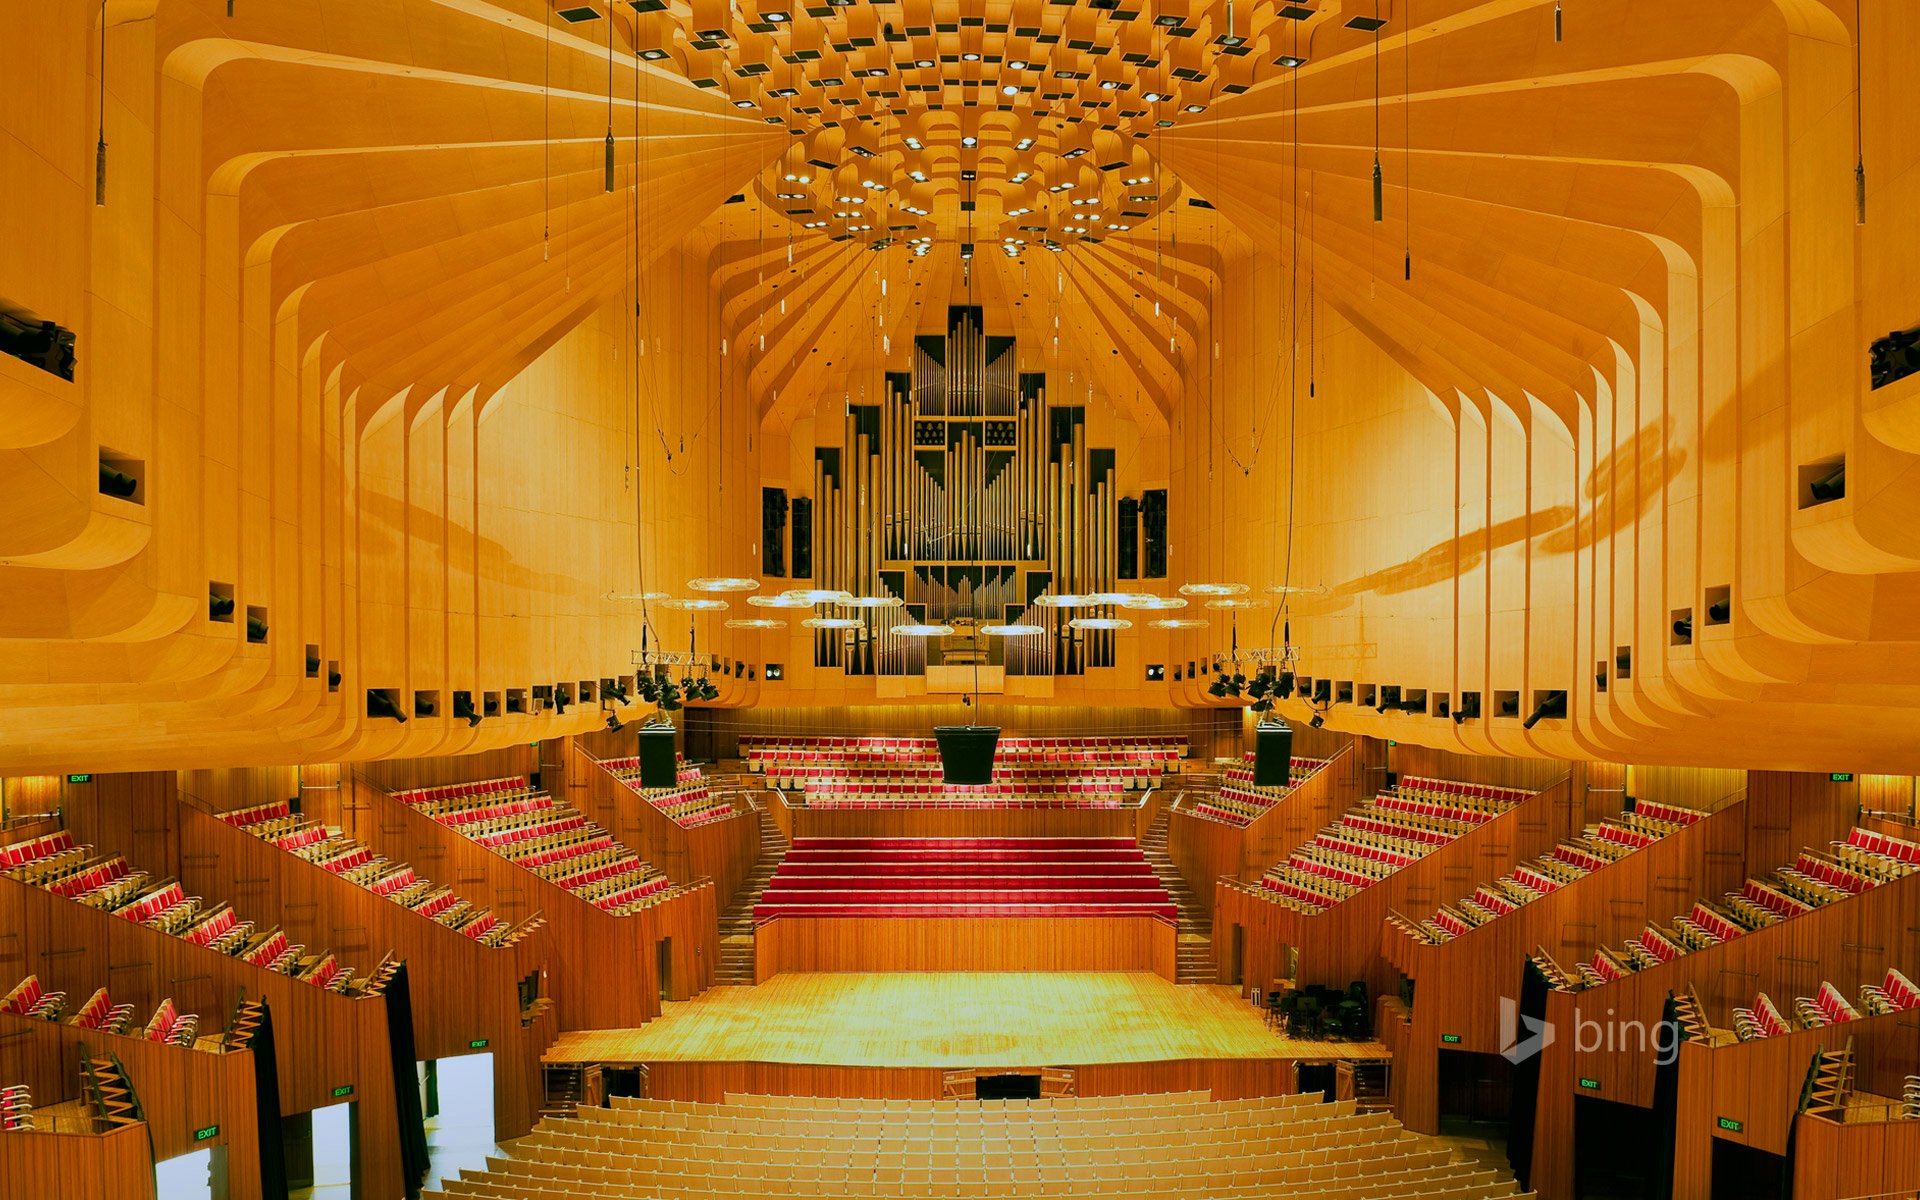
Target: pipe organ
966, 494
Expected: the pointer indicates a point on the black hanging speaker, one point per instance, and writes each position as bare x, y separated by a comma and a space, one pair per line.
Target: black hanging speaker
657, 766
1272, 754
966, 752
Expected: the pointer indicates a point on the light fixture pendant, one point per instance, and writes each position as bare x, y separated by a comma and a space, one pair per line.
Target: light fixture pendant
923, 631
723, 583
1559, 29
1061, 600
756, 623
1180, 623
694, 604
1099, 623
833, 622
1213, 589
1013, 630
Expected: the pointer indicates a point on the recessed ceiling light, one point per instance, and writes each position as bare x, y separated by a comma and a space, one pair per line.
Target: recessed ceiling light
1289, 60
969, 57
1010, 90
1153, 97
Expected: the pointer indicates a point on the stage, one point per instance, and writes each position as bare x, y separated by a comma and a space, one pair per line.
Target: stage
901, 1035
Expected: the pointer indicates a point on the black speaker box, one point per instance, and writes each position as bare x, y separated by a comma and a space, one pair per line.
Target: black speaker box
966, 752
657, 766
1272, 754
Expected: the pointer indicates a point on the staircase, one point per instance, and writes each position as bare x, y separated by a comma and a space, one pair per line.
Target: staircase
1194, 947
736, 924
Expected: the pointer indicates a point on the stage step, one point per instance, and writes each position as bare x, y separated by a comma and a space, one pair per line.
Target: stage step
735, 967
1195, 921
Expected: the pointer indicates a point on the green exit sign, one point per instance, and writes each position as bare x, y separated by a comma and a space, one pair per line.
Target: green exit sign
477, 1044
1730, 1125
79, 779
345, 1089
1450, 1039
205, 1132
1592, 1085
1837, 777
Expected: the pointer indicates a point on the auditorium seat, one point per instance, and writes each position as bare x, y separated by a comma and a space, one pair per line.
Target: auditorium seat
1606, 842
1127, 1147
1379, 837
1238, 802
689, 803
555, 841
16, 1108
901, 772
108, 883
359, 864
942, 877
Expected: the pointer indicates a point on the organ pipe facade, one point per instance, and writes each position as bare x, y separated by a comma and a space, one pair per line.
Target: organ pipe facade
967, 495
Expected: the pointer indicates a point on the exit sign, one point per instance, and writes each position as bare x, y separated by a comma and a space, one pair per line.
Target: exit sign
477, 1044
1592, 1085
1450, 1039
206, 1131
1730, 1125
79, 779
345, 1089
1837, 777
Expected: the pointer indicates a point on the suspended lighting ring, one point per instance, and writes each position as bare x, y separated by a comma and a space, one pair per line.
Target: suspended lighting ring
694, 604
1062, 600
780, 601
1012, 630
1180, 623
1100, 623
723, 583
756, 623
833, 623
923, 631
1213, 589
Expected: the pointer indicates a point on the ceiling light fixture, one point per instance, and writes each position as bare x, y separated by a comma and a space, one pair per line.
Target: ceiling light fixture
923, 631
723, 583
1099, 623
1213, 589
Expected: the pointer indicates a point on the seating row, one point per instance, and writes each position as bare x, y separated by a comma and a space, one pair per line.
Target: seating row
939, 877
359, 864
1827, 1006
16, 1108
555, 841
56, 863
1603, 843
1239, 802
689, 803
101, 1014
1861, 862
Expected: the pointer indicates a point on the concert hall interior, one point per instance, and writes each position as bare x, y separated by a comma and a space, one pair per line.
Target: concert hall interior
906, 599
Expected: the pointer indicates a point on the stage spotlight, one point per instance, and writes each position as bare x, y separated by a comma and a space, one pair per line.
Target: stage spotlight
1831, 486
1218, 687
613, 724
382, 707
1552, 708
1316, 722
463, 708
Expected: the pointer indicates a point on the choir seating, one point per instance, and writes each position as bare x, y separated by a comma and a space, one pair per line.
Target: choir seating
948, 877
1603, 843
54, 862
1239, 802
1031, 772
1373, 840
359, 864
1863, 861
1156, 1147
689, 803
555, 841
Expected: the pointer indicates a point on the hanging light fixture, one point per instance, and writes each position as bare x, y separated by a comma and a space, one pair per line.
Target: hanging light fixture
1012, 630
1147, 602
870, 602
1237, 602
723, 583
833, 622
636, 597
812, 596
782, 600
1180, 623
923, 631
1061, 600
1295, 589
694, 604
1214, 589
1099, 623
756, 623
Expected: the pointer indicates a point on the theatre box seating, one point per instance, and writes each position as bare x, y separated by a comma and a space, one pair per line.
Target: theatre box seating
1827, 1006
948, 877
689, 803
1238, 801
102, 1015
16, 1108
1374, 839
56, 863
1864, 861
357, 863
1163, 1147
554, 841
1607, 842
896, 772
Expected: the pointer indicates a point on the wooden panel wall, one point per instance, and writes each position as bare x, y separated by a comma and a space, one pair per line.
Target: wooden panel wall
722, 730
1343, 944
723, 851
1458, 985
1841, 1162
80, 1166
709, 1082
963, 944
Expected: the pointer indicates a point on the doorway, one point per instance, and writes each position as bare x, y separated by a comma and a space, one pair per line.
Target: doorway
663, 966
1236, 956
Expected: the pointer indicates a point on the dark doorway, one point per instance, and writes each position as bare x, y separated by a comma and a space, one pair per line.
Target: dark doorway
1006, 1087
663, 966
1742, 1171
1319, 1078
1236, 956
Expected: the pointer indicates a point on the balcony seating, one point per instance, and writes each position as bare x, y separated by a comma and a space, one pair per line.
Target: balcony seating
554, 841
1160, 1147
1763, 1020
1863, 861
1607, 842
1895, 993
171, 1026
16, 1108
357, 863
947, 877
689, 803
101, 1013
1373, 840
1029, 772
55, 863
1239, 802
29, 999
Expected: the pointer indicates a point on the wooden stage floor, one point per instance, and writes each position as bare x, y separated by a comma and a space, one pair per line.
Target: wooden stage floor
976, 1019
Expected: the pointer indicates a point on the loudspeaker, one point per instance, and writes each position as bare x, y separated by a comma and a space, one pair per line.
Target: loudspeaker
1272, 754
966, 753
657, 766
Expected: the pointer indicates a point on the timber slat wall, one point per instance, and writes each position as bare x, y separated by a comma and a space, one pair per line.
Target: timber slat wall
600, 969
1458, 984
964, 944
1342, 944
80, 1166
724, 850
1840, 1162
709, 1082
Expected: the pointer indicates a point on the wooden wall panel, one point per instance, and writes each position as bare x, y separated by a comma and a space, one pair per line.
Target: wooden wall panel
963, 944
81, 1166
1833, 1161
709, 1082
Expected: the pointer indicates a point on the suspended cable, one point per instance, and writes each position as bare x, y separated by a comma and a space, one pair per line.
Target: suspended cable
1379, 191
1859, 123
100, 147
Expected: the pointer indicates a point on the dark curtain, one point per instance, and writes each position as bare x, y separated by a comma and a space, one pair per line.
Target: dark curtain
266, 1109
1526, 1078
1665, 1118
406, 1084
